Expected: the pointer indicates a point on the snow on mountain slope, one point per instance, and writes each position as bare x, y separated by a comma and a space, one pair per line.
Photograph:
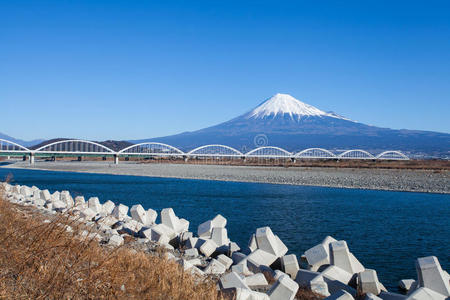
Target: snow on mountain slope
281, 104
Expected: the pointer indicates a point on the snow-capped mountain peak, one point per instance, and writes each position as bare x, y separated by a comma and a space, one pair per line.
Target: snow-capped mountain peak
281, 104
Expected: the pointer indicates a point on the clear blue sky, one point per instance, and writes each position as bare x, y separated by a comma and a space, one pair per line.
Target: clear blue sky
139, 69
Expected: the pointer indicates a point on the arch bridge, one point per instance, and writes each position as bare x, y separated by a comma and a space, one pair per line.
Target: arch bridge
80, 148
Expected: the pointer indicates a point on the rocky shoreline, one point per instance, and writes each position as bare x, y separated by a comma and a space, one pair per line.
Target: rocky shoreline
263, 269
426, 181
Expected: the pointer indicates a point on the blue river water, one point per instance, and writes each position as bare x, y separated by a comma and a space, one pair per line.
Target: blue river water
385, 230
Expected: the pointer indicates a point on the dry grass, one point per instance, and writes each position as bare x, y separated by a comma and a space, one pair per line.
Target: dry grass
44, 261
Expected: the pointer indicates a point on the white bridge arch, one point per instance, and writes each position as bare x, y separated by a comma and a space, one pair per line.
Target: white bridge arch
215, 150
392, 155
75, 147
356, 154
315, 153
152, 148
269, 152
8, 146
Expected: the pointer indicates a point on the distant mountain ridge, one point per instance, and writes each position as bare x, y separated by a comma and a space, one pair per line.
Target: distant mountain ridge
286, 122
19, 141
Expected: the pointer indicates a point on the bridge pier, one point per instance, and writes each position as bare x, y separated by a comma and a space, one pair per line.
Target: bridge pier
31, 158
185, 158
116, 159
293, 159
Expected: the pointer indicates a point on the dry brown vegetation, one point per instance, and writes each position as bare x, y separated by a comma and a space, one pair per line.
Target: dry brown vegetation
44, 261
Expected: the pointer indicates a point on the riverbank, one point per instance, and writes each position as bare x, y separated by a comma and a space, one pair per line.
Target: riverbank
427, 181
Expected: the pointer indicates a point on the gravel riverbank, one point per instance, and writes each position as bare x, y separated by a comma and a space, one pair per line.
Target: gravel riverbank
377, 179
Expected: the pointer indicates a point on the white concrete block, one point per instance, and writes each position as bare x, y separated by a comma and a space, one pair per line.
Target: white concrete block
341, 257
94, 204
139, 214
208, 248
219, 221
405, 284
55, 196
219, 236
367, 282
232, 280
115, 240
151, 216
108, 207
268, 242
336, 273
66, 198
191, 242
260, 258
205, 229
192, 252
252, 243
215, 267
319, 286
45, 194
120, 211
87, 213
423, 293
244, 294
58, 205
430, 275
169, 218
162, 234
341, 295
256, 280
304, 277
370, 296
284, 289
241, 269
225, 260
183, 225
317, 256
289, 265
79, 200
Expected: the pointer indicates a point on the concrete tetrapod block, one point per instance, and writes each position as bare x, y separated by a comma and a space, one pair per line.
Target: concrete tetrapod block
337, 279
205, 229
319, 255
219, 236
208, 248
120, 212
284, 289
340, 295
319, 286
66, 198
108, 207
45, 194
367, 282
139, 214
151, 216
87, 213
94, 204
341, 257
425, 294
183, 225
79, 200
391, 296
256, 280
370, 296
232, 280
289, 265
430, 275
115, 240
260, 258
58, 205
243, 294
252, 243
162, 234
238, 257
169, 219
191, 242
215, 267
270, 243
241, 269
225, 260
304, 277
406, 284
219, 221
193, 252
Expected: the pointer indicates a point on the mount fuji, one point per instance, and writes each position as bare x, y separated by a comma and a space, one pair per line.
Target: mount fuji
288, 123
